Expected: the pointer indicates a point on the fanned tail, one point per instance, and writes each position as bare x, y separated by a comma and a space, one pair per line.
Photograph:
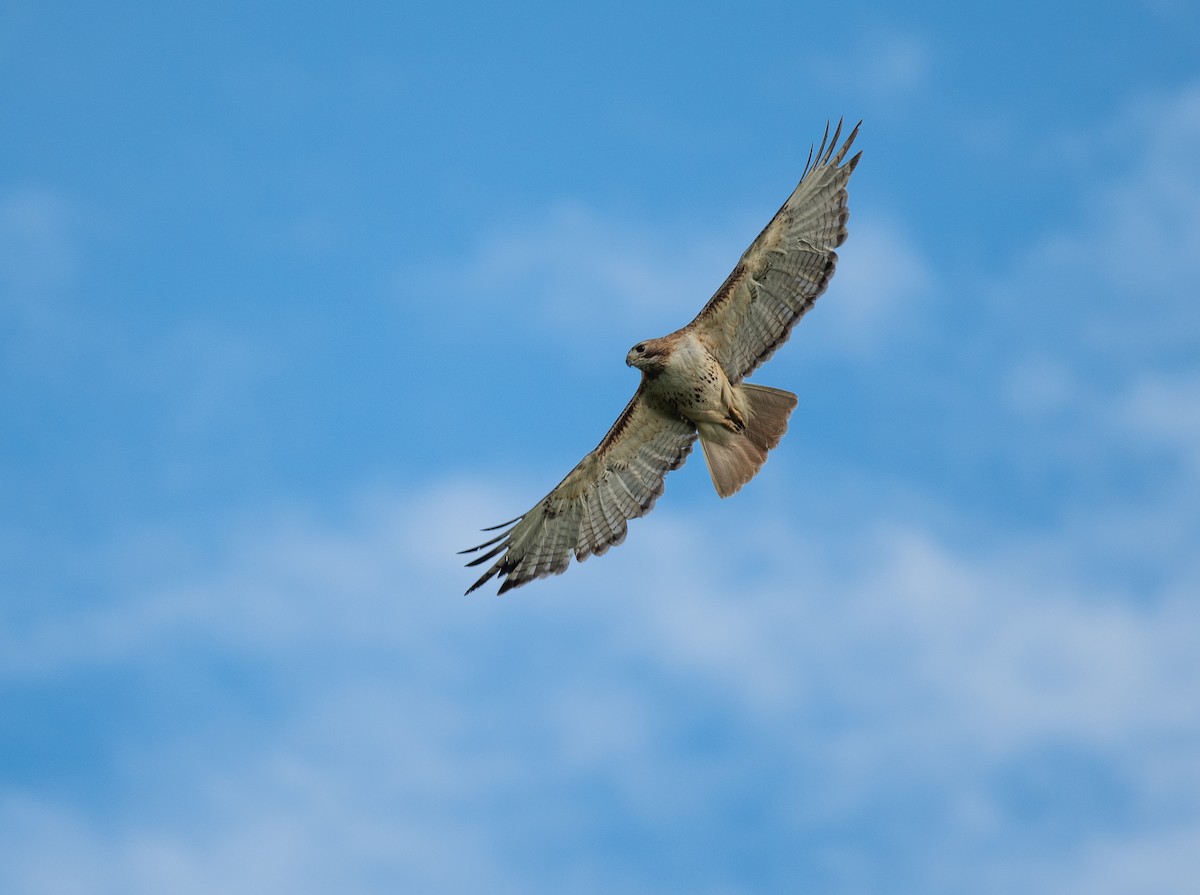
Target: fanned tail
735, 457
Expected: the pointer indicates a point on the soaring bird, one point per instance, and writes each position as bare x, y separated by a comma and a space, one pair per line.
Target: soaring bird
692, 386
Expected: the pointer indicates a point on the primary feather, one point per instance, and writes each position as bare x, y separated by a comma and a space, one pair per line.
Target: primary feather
692, 387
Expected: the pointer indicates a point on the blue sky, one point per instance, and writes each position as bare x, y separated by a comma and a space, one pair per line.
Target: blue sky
294, 299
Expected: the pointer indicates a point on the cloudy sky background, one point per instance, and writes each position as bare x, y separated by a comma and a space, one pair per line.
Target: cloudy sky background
295, 298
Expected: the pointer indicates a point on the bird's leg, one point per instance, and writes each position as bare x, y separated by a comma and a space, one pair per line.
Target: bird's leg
734, 417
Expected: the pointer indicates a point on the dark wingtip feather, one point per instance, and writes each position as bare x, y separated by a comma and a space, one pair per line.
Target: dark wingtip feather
499, 537
499, 568
482, 559
502, 524
482, 581
489, 543
837, 160
824, 153
837, 132
501, 544
816, 155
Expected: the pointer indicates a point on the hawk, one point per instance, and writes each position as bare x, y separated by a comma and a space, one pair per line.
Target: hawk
692, 386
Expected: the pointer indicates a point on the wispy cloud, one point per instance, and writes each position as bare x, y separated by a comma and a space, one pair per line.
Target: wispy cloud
36, 239
1121, 281
884, 287
39, 263
302, 700
884, 68
1162, 410
850, 668
576, 270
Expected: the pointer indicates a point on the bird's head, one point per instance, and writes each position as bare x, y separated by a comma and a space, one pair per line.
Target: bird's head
647, 355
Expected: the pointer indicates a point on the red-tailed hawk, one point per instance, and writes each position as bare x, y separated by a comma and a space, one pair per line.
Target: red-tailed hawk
692, 386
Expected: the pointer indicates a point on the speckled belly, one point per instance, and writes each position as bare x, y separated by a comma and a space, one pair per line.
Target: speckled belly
695, 385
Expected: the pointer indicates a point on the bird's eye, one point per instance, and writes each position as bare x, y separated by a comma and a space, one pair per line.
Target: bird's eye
640, 349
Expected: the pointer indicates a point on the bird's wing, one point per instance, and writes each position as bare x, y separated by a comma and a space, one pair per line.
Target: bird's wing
785, 269
588, 510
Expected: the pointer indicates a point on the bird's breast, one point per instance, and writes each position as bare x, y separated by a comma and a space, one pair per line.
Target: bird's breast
692, 381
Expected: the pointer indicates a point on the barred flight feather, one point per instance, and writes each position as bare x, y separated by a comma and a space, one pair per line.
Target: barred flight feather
792, 260
620, 480
775, 282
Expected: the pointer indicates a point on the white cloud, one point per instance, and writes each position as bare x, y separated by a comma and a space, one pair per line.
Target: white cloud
883, 287
577, 269
39, 263
1122, 281
1091, 337
1166, 861
1163, 410
418, 725
891, 65
416, 740
883, 70
50, 327
1041, 385
37, 248
285, 824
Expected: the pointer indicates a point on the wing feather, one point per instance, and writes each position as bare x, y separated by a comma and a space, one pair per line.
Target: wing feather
587, 529
589, 510
775, 282
786, 268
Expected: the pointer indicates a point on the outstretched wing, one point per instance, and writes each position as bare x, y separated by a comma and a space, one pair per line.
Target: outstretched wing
587, 513
785, 270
